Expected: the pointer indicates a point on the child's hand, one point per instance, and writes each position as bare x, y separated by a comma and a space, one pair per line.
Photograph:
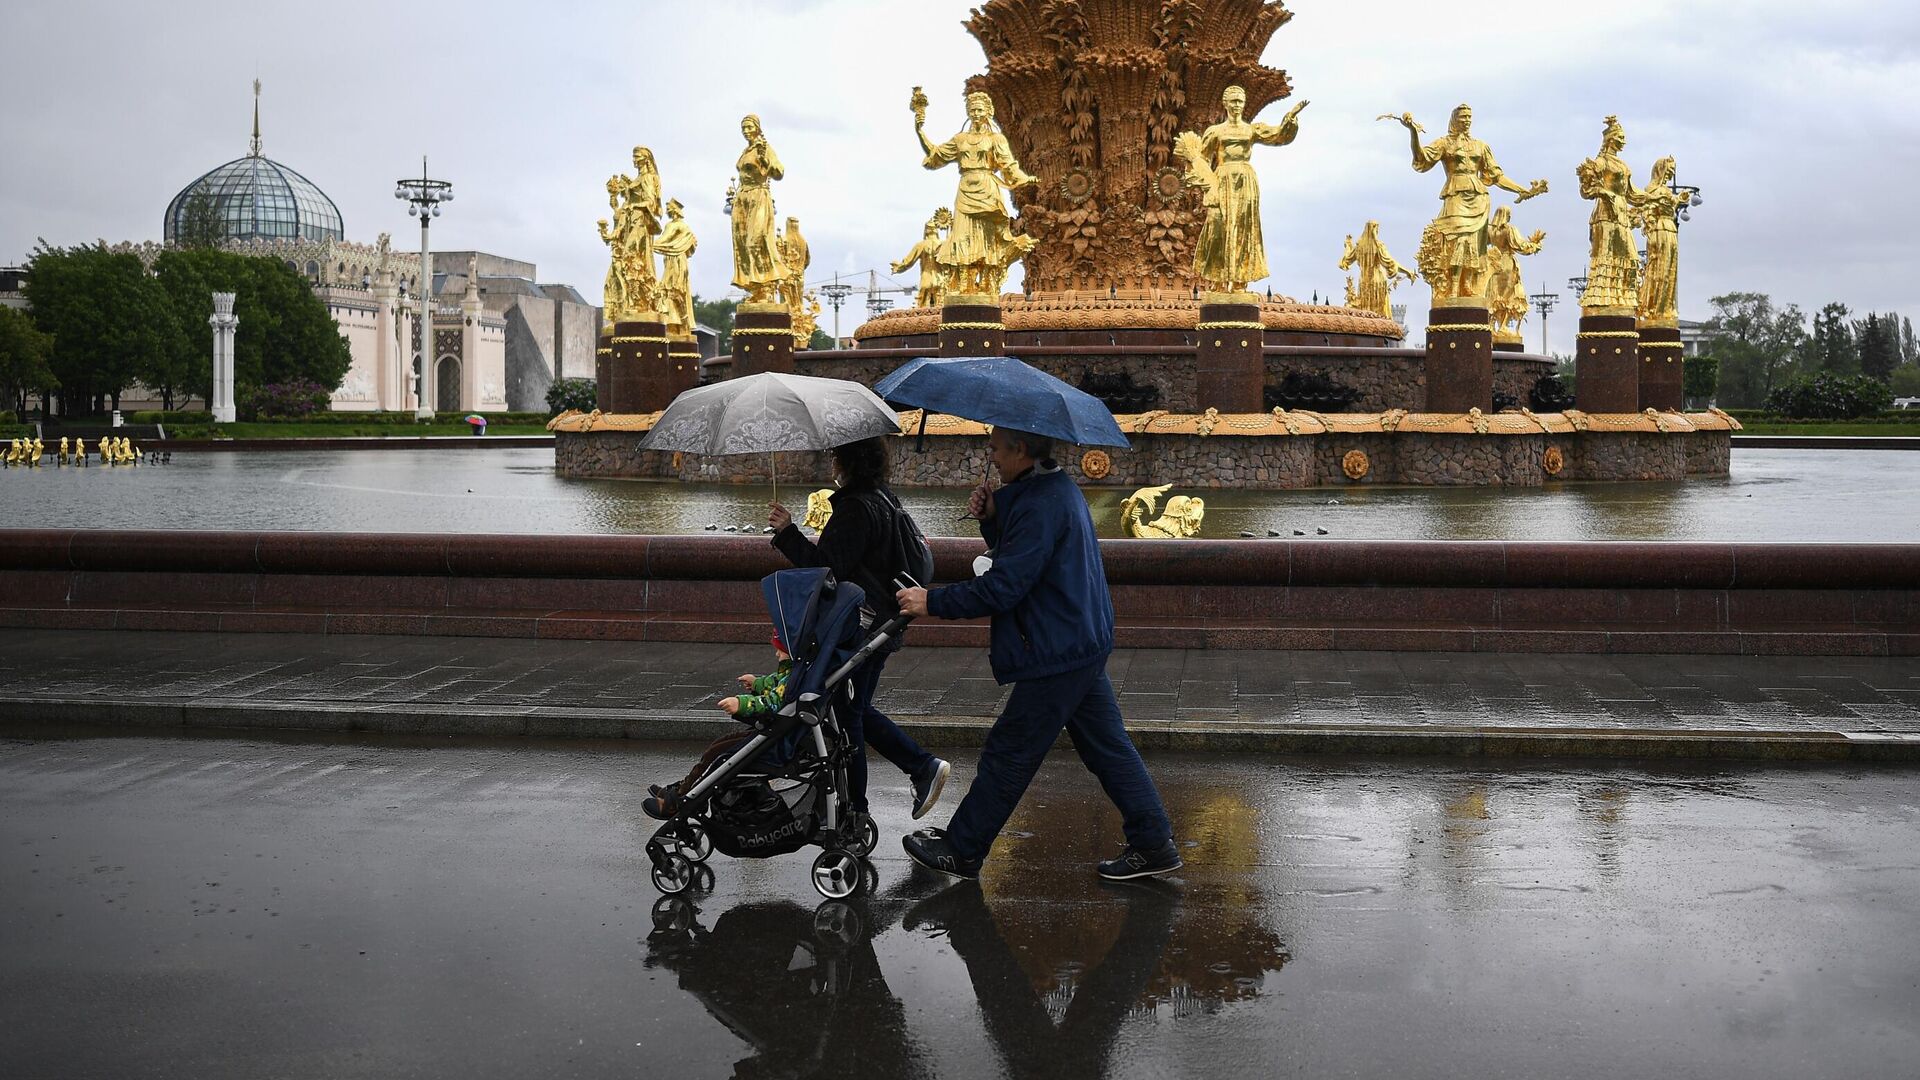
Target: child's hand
731, 706
745, 681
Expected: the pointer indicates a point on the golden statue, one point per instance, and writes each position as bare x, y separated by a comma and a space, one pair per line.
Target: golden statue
757, 266
80, 451
63, 449
1182, 519
806, 322
1377, 270
926, 253
1229, 253
1453, 249
1613, 266
819, 509
613, 303
981, 244
636, 221
793, 287
13, 451
675, 247
1506, 292
1660, 207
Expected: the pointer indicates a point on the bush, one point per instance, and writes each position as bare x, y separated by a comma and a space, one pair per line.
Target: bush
1829, 396
177, 416
564, 394
292, 400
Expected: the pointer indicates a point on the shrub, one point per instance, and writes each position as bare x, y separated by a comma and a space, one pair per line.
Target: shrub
1826, 395
564, 394
177, 416
293, 399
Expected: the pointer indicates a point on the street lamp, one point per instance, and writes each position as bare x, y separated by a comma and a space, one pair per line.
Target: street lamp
423, 198
1689, 196
1579, 287
1543, 302
836, 294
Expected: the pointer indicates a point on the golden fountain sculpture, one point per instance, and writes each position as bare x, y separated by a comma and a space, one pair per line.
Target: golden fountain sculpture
757, 264
1660, 207
926, 253
981, 244
632, 287
819, 509
1182, 519
1453, 250
1506, 292
1376, 269
795, 254
1229, 254
675, 246
1613, 266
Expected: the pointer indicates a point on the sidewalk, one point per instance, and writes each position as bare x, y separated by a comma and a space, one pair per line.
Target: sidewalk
1810, 708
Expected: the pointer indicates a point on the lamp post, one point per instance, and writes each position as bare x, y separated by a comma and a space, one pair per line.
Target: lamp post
1543, 302
1579, 287
1689, 196
423, 198
836, 294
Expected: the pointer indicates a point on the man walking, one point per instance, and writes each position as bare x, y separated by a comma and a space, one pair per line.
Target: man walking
1052, 632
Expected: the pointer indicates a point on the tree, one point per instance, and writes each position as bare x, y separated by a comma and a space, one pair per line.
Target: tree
199, 225
1909, 345
24, 349
1755, 344
107, 315
1906, 380
821, 341
1877, 338
1833, 345
1700, 378
717, 315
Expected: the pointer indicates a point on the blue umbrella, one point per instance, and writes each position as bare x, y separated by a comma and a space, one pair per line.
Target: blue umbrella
1004, 392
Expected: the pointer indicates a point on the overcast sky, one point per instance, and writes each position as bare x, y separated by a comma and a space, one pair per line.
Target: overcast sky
1800, 121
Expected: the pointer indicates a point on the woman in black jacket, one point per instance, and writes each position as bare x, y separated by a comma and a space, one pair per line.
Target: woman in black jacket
859, 545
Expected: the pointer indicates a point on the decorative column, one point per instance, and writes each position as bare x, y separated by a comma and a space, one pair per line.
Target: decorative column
762, 339
1229, 354
224, 322
683, 365
472, 310
639, 367
1459, 359
970, 326
1606, 375
1662, 366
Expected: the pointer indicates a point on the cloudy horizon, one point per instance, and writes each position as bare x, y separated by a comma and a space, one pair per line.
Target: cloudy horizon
1797, 124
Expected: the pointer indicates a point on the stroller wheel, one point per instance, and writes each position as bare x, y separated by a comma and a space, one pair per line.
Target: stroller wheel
867, 836
673, 873
836, 925
672, 913
702, 878
836, 873
687, 838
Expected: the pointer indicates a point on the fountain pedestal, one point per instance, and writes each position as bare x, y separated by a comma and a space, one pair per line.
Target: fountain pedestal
762, 339
1606, 372
1662, 368
971, 326
683, 366
1459, 360
639, 367
603, 371
1229, 361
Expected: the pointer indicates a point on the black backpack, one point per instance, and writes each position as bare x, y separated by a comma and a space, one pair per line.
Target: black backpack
907, 553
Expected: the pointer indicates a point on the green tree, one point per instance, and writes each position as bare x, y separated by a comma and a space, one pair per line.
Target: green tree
24, 353
1877, 338
1833, 345
199, 225
108, 318
1756, 345
1700, 378
1906, 380
1909, 345
717, 315
821, 341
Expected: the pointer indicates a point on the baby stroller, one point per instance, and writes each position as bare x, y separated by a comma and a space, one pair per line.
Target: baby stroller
786, 787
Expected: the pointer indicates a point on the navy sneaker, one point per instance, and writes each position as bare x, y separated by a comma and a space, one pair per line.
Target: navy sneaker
931, 849
1142, 863
928, 786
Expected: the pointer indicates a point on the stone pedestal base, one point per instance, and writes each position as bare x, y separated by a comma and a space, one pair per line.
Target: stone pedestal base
1459, 360
603, 371
1662, 368
762, 339
1508, 342
639, 363
1606, 375
683, 366
1229, 364
971, 326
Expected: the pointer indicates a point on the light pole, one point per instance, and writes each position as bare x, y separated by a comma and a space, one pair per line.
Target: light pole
1579, 287
836, 294
1689, 196
423, 198
1543, 302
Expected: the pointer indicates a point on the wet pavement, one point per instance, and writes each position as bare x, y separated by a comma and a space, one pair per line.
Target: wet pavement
315, 906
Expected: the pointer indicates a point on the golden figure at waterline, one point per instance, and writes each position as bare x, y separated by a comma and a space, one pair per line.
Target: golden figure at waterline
806, 321
1181, 521
675, 248
1376, 270
1506, 292
1453, 249
793, 288
757, 265
819, 509
1613, 266
981, 245
1660, 207
1229, 253
932, 286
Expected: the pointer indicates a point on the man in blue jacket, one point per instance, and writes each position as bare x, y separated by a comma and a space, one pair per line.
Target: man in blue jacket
1052, 632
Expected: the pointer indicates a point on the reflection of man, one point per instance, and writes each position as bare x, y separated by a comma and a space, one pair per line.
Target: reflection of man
1052, 632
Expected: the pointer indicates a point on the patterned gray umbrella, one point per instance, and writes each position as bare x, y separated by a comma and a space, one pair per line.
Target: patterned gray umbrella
770, 412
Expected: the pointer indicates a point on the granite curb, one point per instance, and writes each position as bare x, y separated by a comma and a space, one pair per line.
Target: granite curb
1275, 737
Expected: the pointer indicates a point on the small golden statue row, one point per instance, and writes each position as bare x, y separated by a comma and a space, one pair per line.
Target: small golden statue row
1182, 520
635, 291
980, 244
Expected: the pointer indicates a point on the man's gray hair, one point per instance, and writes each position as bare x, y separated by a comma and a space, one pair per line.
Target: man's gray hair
1038, 447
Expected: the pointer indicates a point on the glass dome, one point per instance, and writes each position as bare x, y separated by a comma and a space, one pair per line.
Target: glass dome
258, 198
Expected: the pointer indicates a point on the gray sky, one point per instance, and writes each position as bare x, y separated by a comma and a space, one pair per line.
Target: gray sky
1800, 121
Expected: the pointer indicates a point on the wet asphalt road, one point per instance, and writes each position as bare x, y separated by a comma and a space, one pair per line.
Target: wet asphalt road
208, 907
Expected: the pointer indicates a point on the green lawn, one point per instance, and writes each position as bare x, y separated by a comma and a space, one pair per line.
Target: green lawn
292, 430
1836, 427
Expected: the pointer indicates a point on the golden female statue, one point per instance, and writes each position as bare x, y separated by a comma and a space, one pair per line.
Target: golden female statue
1660, 278
636, 223
1229, 254
976, 253
794, 253
1377, 270
1613, 266
676, 246
1506, 292
926, 254
757, 266
1453, 250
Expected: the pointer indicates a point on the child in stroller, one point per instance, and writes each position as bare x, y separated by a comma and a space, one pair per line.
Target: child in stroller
782, 785
759, 696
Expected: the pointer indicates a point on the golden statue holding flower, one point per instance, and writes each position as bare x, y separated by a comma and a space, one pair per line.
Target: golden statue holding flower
981, 245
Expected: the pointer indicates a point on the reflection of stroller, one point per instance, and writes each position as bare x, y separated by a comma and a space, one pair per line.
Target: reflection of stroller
786, 787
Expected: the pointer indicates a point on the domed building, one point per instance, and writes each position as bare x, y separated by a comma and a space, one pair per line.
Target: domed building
254, 198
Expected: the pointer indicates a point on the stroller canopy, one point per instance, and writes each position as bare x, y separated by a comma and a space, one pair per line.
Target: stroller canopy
818, 618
